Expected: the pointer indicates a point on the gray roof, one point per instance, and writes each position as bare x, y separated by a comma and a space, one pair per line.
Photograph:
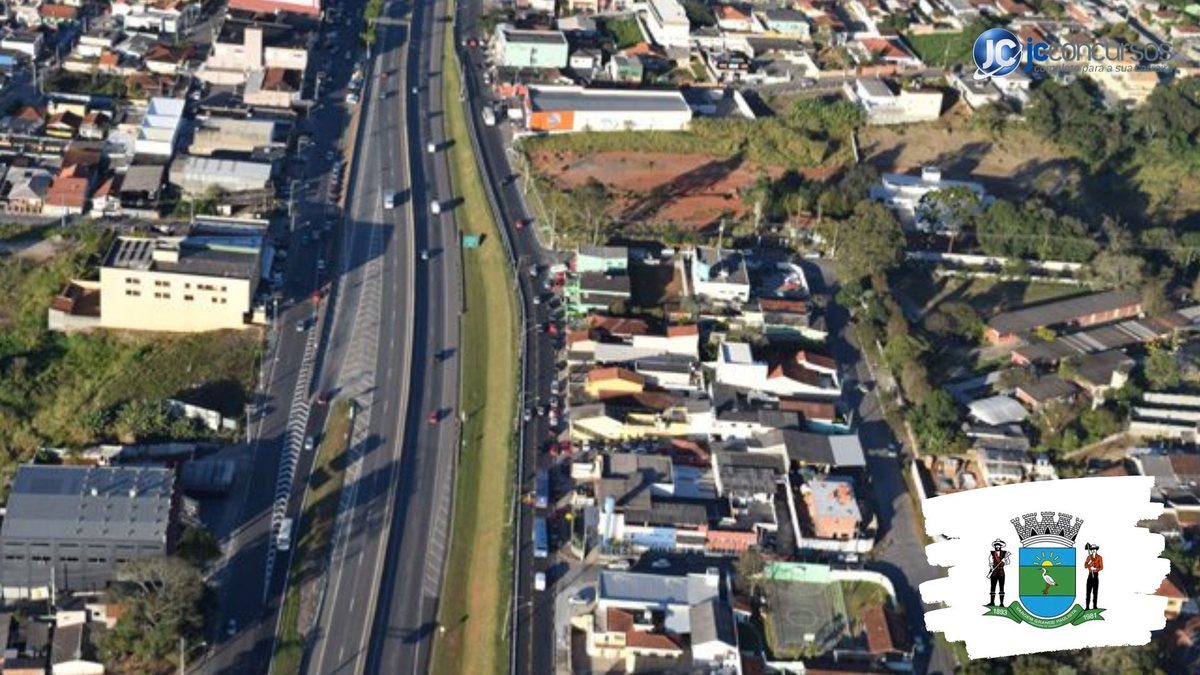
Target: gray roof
601, 100
1061, 311
542, 37
128, 504
713, 622
1048, 387
1098, 369
655, 589
230, 257
604, 251
143, 178
598, 281
997, 410
808, 448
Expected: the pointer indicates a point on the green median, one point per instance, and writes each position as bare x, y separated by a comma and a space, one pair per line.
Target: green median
312, 539
478, 571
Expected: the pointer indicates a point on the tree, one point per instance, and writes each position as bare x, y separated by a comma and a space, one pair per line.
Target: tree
950, 209
870, 242
589, 203
1099, 423
1154, 297
162, 597
914, 378
1161, 369
749, 565
197, 546
935, 422
1117, 270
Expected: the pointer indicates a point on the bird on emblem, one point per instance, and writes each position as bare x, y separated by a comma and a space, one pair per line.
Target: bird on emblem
1049, 581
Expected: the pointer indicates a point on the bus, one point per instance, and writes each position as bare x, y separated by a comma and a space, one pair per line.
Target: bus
541, 538
541, 498
283, 538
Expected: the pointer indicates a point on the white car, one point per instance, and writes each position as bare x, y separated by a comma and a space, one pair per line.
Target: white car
435, 207
539, 581
431, 147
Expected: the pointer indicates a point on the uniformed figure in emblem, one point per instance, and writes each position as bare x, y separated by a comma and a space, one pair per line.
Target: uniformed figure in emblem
1093, 564
997, 559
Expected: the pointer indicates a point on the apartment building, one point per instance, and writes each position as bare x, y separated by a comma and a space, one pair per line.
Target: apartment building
667, 23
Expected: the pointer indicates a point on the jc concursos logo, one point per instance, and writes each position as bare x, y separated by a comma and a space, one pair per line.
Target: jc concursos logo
997, 53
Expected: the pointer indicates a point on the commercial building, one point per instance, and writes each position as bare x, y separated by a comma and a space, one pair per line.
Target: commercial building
202, 281
799, 374
243, 47
79, 523
667, 23
565, 109
529, 48
222, 135
1085, 310
159, 130
885, 106
306, 7
203, 175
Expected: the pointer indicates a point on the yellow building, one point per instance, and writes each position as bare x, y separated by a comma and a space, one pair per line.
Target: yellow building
602, 382
205, 280
1122, 83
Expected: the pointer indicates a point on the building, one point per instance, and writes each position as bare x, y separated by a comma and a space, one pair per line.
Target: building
245, 47
69, 192
663, 622
167, 17
1044, 390
720, 275
1083, 310
605, 259
565, 109
821, 452
529, 48
204, 280
81, 522
305, 7
159, 130
786, 22
909, 196
1176, 479
832, 508
25, 190
206, 175
227, 135
596, 291
1165, 417
885, 106
802, 373
1124, 83
667, 23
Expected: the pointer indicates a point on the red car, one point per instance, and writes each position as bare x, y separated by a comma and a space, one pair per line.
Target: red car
520, 224
434, 417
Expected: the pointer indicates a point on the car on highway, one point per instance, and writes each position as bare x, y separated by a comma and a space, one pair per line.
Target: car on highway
435, 207
301, 325
231, 628
528, 415
435, 417
582, 597
424, 254
310, 442
283, 538
541, 411
539, 581
431, 147
389, 199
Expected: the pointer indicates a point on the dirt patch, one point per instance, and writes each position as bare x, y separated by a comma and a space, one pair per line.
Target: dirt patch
692, 190
1011, 164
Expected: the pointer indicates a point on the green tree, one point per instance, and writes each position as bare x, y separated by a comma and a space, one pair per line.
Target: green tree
935, 422
1117, 270
870, 242
1099, 423
162, 598
1161, 369
197, 546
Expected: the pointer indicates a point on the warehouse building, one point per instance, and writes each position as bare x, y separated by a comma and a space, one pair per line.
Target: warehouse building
228, 135
203, 175
566, 109
74, 525
1079, 311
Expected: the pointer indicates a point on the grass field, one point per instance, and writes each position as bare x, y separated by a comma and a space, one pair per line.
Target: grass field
943, 50
313, 534
479, 567
986, 296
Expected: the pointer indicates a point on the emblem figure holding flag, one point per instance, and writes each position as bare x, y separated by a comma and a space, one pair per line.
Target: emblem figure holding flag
1093, 564
997, 559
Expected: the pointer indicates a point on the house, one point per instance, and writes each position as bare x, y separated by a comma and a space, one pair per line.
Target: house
25, 190
801, 373
69, 192
82, 522
63, 125
889, 50
72, 650
606, 259
566, 109
734, 19
661, 622
596, 291
23, 41
832, 508
1101, 372
786, 22
720, 275
976, 93
57, 15
1176, 479
667, 23
885, 106
602, 382
303, 7
140, 190
246, 47
910, 197
514, 48
1044, 390
159, 129
206, 175
26, 121
821, 452
273, 87
204, 280
94, 126
167, 60
1171, 588
168, 17
997, 411
1083, 310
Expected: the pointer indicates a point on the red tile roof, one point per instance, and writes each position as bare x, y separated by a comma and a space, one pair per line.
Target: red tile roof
660, 641
614, 373
821, 360
69, 188
1169, 588
65, 12
879, 635
681, 331
614, 325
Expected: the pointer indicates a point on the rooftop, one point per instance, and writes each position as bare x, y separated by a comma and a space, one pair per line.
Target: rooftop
212, 256
1061, 311
606, 100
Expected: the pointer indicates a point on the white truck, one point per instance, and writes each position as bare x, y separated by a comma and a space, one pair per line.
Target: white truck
489, 116
283, 538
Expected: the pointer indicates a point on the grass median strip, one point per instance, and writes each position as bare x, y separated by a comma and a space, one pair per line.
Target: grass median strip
479, 567
312, 539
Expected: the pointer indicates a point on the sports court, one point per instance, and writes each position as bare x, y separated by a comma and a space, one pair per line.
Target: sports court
805, 614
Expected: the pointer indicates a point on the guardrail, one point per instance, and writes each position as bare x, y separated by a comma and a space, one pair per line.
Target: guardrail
485, 172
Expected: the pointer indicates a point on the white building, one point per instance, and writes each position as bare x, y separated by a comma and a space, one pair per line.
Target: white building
565, 109
720, 274
200, 175
668, 23
804, 374
160, 125
906, 195
884, 106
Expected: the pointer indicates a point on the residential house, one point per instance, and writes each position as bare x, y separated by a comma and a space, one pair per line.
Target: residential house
786, 22
606, 259
24, 41
140, 190
168, 17
910, 197
64, 125
1100, 373
26, 121
1084, 310
596, 291
720, 275
69, 192
25, 190
613, 381
167, 60
57, 15
94, 126
73, 650
832, 508
1172, 589
303, 7
889, 50
273, 87
801, 373
820, 452
1044, 390
82, 522
1176, 482
245, 47
735, 19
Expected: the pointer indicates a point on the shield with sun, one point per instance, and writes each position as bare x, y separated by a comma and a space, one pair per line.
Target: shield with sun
1047, 579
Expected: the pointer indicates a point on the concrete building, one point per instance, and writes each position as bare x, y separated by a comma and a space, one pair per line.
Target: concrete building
202, 281
801, 374
667, 23
885, 106
305, 7
82, 522
605, 259
202, 175
786, 22
908, 196
219, 135
832, 508
159, 130
720, 275
529, 48
242, 47
566, 109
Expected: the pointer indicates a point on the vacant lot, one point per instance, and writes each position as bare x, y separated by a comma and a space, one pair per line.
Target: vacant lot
1011, 164
988, 297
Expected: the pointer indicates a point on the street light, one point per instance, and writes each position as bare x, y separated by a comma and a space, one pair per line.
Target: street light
184, 650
